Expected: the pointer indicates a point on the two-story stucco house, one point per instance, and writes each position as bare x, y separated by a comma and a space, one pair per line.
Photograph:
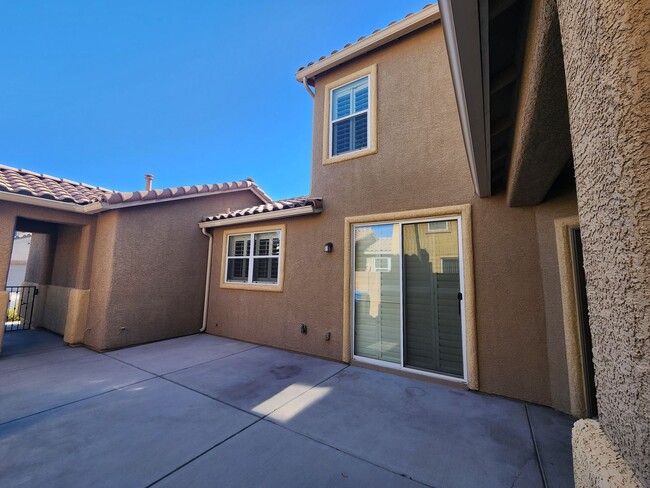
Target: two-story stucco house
393, 261
478, 215
454, 177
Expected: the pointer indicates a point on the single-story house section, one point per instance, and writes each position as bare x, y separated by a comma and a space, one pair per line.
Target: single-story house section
113, 268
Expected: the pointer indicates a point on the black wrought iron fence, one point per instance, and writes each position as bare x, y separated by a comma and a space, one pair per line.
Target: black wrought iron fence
20, 307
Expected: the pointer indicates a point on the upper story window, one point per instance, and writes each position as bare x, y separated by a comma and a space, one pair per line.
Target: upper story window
349, 127
350, 116
253, 259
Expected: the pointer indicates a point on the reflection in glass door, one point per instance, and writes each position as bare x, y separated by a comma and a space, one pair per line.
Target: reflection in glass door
407, 295
377, 292
433, 338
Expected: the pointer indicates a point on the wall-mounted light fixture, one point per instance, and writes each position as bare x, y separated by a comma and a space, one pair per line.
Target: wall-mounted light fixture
328, 247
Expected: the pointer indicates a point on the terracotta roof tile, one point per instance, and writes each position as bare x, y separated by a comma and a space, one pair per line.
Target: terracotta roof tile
25, 182
349, 44
382, 245
269, 207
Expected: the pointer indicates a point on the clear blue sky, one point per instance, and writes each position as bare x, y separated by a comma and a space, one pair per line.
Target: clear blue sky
193, 91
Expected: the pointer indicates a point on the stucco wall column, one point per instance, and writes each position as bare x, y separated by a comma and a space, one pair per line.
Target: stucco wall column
607, 66
7, 224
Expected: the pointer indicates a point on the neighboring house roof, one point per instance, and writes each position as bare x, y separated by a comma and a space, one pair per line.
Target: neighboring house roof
71, 195
275, 210
412, 22
383, 245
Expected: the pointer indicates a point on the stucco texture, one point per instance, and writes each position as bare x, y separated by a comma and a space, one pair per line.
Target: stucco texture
607, 68
121, 277
148, 275
420, 163
596, 462
541, 143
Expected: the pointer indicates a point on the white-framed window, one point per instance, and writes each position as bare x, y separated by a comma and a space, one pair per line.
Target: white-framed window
449, 265
253, 258
382, 264
349, 117
438, 226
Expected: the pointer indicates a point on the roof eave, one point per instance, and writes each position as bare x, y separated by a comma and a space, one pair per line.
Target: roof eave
115, 206
96, 207
273, 215
409, 24
468, 64
88, 208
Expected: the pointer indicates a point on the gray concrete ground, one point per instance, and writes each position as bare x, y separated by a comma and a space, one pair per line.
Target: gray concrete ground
207, 411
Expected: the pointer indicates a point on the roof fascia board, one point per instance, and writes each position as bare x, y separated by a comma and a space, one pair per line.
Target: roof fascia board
42, 202
409, 24
465, 29
261, 195
115, 206
96, 207
273, 215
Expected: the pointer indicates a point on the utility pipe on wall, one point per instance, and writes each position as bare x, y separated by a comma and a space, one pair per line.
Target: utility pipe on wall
207, 281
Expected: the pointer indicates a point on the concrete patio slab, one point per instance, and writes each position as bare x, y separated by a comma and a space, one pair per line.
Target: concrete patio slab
30, 341
175, 354
268, 455
56, 377
24, 361
328, 424
552, 432
258, 380
128, 438
437, 435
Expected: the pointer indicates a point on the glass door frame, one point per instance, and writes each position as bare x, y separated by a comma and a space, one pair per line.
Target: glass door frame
461, 270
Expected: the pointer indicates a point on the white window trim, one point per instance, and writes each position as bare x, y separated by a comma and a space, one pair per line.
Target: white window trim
382, 269
250, 284
437, 231
350, 116
371, 73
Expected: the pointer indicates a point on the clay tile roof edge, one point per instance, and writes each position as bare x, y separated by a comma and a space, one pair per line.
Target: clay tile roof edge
21, 182
277, 209
411, 22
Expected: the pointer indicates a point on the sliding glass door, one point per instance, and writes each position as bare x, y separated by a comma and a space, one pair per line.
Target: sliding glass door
407, 308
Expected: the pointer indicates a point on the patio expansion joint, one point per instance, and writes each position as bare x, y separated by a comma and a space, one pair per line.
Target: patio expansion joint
257, 420
537, 455
162, 375
347, 453
76, 401
403, 475
204, 452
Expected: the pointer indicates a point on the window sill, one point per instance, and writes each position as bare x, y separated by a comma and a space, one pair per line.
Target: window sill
252, 287
350, 155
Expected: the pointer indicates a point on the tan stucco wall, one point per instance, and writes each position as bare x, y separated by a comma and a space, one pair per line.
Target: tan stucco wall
596, 461
4, 303
420, 163
546, 214
41, 259
541, 143
148, 274
7, 224
607, 66
63, 310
